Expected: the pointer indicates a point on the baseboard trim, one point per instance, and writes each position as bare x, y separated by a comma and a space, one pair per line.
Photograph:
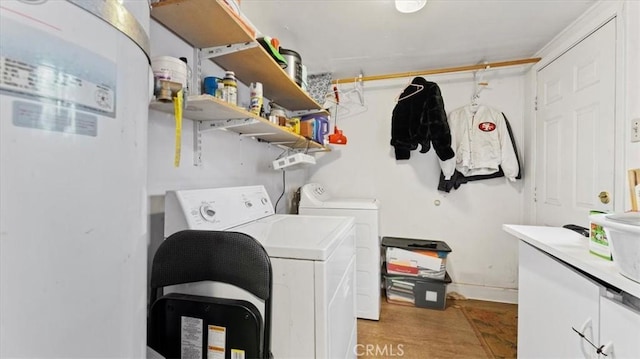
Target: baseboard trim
491, 294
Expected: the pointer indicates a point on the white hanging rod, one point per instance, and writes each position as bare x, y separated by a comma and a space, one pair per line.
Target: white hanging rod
483, 66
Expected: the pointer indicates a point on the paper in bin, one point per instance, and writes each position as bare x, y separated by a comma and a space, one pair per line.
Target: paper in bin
413, 259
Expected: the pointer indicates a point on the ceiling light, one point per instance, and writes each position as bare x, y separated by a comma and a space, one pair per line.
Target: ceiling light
409, 6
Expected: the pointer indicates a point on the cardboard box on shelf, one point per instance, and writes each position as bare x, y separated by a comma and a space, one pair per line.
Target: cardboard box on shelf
598, 241
306, 129
634, 188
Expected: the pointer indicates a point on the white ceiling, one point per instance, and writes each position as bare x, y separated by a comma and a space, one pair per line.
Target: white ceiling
348, 37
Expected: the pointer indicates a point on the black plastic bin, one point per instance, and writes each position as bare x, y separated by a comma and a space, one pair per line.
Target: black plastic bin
419, 292
415, 257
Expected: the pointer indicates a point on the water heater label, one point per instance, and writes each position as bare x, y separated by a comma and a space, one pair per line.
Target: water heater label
43, 67
54, 118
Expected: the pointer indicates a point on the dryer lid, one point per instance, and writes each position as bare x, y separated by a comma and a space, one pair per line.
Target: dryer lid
299, 236
343, 203
314, 195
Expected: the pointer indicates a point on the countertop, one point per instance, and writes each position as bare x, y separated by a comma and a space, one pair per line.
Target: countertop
572, 248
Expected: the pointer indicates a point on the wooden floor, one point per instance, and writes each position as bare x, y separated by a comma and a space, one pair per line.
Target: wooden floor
410, 332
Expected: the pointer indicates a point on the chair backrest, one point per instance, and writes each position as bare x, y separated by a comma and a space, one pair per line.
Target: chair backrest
229, 257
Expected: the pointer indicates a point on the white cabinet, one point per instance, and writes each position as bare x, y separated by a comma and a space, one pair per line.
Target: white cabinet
556, 301
561, 287
619, 329
553, 299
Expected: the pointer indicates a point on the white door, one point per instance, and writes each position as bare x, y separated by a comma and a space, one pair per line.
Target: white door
575, 131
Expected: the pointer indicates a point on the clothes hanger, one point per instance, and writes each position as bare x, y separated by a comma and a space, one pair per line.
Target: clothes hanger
473, 107
358, 88
480, 85
419, 88
476, 96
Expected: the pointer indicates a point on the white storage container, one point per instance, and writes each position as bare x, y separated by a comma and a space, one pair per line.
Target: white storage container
171, 69
623, 232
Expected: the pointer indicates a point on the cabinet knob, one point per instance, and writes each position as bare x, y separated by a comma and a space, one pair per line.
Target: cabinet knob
604, 197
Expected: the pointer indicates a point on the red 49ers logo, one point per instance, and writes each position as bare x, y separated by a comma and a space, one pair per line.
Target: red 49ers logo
487, 126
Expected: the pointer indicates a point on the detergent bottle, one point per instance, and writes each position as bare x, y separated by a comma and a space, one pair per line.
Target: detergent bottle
322, 129
320, 126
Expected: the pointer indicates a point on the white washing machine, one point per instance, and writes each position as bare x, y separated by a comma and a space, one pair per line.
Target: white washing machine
313, 262
315, 200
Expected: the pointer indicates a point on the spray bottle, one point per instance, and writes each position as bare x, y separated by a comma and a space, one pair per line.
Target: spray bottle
256, 98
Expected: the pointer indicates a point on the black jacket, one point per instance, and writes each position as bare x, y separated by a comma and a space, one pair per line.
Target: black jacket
419, 118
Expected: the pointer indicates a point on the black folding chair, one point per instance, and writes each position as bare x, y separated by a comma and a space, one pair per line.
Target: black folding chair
184, 324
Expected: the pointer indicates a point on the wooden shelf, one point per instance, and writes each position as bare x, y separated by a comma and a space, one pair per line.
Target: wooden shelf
211, 23
214, 113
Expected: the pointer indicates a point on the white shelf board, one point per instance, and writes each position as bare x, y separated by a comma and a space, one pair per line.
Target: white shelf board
215, 113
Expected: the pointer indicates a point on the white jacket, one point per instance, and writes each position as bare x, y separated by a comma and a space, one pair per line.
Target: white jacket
481, 142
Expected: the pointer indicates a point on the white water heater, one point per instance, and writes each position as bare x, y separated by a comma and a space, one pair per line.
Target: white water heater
74, 94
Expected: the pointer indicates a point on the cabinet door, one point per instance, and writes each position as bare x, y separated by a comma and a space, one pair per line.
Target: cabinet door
619, 329
552, 300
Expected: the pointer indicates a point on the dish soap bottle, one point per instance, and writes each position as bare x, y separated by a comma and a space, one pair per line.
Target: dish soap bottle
230, 89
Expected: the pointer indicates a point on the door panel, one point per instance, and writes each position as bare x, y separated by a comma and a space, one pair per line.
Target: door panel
586, 129
553, 163
553, 298
616, 322
575, 131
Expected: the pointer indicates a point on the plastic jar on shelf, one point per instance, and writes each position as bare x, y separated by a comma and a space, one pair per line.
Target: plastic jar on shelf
230, 88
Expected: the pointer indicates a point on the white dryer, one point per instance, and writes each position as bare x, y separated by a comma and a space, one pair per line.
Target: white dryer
315, 200
313, 262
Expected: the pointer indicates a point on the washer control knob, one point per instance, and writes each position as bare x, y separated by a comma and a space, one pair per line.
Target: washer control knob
207, 212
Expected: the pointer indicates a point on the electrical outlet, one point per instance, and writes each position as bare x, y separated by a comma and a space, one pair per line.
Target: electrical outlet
635, 130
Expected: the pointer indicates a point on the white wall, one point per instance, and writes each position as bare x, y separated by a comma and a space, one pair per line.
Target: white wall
483, 263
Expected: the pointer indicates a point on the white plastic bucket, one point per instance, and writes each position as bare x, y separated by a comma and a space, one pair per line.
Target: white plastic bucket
170, 68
